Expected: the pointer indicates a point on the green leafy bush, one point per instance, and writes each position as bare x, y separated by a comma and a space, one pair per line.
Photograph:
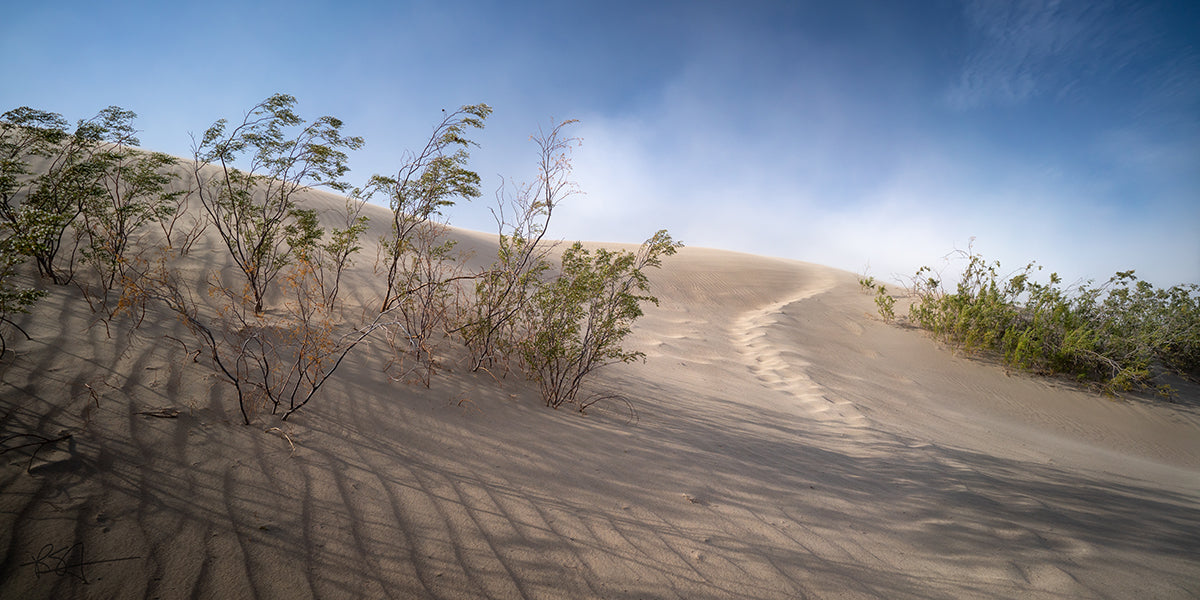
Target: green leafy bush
14, 298
503, 291
578, 321
254, 212
883, 300
47, 178
886, 303
279, 330
1115, 335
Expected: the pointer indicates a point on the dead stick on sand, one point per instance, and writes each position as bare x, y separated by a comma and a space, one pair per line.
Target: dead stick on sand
162, 413
285, 436
95, 396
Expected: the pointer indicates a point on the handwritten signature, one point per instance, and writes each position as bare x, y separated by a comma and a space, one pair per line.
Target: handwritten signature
66, 561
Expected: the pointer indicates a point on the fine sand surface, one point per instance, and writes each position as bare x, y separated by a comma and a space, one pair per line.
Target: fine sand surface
786, 444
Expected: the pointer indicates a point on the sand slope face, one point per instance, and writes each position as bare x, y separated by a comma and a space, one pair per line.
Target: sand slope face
786, 444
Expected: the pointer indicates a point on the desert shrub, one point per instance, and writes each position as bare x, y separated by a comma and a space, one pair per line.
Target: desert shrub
577, 321
40, 203
1114, 335
884, 301
426, 293
336, 254
135, 194
976, 315
416, 259
426, 183
254, 210
276, 329
65, 195
504, 289
279, 358
14, 297
25, 134
493, 318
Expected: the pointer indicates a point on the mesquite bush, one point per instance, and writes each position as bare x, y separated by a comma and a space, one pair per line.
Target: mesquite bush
1115, 335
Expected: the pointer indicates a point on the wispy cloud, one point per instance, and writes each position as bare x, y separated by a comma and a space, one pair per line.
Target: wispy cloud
841, 133
1029, 48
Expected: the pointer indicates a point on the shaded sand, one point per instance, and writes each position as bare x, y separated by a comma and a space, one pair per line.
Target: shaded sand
786, 444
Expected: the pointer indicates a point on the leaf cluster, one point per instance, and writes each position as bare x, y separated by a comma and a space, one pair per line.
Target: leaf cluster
884, 301
1116, 335
94, 183
504, 290
254, 210
578, 321
91, 182
428, 182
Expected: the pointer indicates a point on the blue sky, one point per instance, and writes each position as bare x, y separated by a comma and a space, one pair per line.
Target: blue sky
847, 133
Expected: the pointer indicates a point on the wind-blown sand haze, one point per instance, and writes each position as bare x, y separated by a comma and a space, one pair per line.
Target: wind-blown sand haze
784, 443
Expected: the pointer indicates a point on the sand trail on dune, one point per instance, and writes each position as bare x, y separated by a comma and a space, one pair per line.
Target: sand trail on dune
779, 442
778, 369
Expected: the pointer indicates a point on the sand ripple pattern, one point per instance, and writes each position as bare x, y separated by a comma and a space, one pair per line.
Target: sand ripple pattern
756, 334
744, 476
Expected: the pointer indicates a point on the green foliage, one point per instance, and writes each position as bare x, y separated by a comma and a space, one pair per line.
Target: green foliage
94, 183
14, 298
326, 253
253, 210
502, 294
304, 232
428, 271
419, 262
91, 181
504, 290
41, 203
883, 300
135, 193
25, 134
48, 178
886, 303
1115, 335
425, 184
578, 320
338, 251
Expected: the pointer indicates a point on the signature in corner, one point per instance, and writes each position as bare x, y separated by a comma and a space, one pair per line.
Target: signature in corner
66, 561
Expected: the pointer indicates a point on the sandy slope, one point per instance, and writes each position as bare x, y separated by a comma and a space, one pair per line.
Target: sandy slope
786, 444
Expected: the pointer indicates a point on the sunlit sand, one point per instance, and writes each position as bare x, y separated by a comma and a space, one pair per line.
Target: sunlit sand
783, 443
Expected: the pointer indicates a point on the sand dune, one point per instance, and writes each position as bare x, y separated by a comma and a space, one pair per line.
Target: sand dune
786, 444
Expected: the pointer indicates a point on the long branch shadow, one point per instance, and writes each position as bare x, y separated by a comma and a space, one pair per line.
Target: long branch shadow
408, 495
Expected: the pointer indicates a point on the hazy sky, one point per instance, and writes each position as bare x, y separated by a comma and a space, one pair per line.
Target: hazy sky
847, 133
